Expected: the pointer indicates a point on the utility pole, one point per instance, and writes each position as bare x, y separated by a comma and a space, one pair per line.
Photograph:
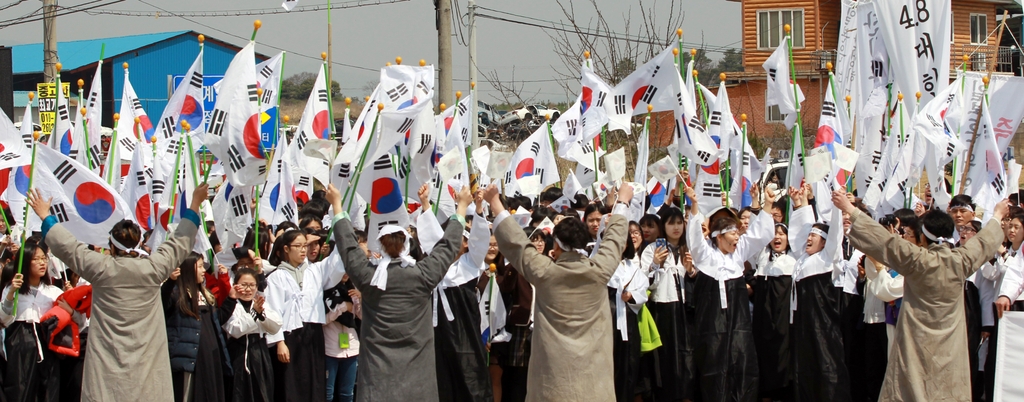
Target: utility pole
472, 75
444, 50
330, 64
49, 40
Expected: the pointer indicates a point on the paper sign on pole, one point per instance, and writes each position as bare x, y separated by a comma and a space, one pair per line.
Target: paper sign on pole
819, 164
498, 164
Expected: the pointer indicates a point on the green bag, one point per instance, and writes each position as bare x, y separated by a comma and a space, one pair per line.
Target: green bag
649, 337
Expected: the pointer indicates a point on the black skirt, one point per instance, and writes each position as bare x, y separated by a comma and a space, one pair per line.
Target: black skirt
972, 313
208, 378
819, 362
305, 378
460, 355
673, 374
254, 372
626, 354
28, 378
771, 329
724, 349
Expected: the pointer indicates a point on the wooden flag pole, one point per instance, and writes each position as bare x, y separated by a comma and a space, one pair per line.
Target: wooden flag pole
986, 80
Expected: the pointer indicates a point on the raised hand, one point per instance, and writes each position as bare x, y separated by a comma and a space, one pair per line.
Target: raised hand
841, 201
465, 197
424, 194
200, 194
15, 285
625, 193
334, 197
40, 205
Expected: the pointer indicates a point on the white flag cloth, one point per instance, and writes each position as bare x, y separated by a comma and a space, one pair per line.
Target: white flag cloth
1003, 102
722, 125
13, 151
78, 142
691, 139
82, 202
781, 86
418, 164
869, 132
386, 201
268, 78
277, 201
131, 108
124, 139
746, 169
492, 313
986, 177
872, 66
93, 119
708, 186
593, 101
533, 158
231, 213
917, 34
642, 154
185, 104
651, 84
234, 132
288, 5
567, 129
62, 139
830, 127
314, 124
137, 190
930, 124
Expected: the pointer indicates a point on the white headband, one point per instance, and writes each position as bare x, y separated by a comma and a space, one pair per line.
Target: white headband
566, 248
127, 249
380, 275
729, 229
819, 232
935, 238
962, 206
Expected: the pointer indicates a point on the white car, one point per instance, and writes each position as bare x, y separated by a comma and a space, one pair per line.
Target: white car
529, 113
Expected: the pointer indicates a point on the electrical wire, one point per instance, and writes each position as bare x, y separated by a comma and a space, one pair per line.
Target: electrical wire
317, 57
59, 13
12, 5
563, 27
249, 12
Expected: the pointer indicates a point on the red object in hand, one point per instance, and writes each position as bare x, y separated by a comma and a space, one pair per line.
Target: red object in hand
80, 300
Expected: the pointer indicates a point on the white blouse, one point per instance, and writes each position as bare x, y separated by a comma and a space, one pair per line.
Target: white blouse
303, 304
722, 267
628, 277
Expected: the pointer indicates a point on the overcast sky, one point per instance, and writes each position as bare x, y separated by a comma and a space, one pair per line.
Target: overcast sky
366, 37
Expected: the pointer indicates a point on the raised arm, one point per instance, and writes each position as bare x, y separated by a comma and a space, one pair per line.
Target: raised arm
347, 246
613, 242
436, 264
514, 244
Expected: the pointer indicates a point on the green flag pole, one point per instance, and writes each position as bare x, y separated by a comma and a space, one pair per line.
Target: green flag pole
798, 137
31, 177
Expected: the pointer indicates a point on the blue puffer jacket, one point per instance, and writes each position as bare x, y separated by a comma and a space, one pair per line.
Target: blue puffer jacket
183, 334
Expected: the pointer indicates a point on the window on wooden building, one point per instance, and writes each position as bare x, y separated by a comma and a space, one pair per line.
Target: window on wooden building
770, 32
772, 114
979, 29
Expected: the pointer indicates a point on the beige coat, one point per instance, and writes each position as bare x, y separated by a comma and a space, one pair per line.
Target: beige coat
572, 338
929, 359
126, 358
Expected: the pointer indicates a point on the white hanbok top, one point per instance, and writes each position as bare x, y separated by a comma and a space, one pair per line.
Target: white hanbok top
720, 266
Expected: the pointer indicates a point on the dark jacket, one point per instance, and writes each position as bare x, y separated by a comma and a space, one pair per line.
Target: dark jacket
183, 333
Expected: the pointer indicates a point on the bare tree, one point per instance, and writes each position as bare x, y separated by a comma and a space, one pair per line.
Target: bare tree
615, 53
510, 91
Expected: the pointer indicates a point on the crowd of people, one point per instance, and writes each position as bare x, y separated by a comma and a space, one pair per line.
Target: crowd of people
792, 298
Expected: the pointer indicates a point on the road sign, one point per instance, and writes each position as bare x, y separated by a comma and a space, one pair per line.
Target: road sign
47, 94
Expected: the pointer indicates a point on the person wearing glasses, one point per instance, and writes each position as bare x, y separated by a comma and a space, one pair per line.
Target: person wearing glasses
296, 290
247, 321
34, 373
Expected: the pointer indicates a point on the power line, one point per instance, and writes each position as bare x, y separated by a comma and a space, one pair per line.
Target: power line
63, 12
263, 43
249, 12
563, 27
12, 5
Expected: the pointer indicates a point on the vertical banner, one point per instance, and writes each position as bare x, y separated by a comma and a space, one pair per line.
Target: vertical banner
918, 34
47, 94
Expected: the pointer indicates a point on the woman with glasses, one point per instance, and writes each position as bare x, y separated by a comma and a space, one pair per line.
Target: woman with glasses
296, 290
247, 321
33, 372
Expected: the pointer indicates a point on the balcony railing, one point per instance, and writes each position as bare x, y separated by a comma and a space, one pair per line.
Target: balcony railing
1006, 59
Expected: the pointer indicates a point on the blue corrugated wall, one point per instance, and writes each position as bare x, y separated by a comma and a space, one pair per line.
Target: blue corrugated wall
151, 69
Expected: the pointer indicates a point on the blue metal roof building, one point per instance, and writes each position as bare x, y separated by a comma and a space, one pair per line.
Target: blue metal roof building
152, 59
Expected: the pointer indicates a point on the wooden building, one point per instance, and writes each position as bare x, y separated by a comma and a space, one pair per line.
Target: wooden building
815, 25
